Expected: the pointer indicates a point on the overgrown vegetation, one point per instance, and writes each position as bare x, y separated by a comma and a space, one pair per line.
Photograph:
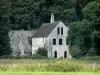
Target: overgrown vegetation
50, 66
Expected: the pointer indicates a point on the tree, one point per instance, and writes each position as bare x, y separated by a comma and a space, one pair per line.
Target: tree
92, 13
95, 38
32, 13
4, 27
5, 8
64, 10
4, 38
85, 33
79, 35
80, 4
24, 14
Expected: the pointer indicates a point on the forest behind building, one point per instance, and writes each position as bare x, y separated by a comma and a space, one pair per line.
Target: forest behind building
81, 16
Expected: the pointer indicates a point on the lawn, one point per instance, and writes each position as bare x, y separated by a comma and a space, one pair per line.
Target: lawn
50, 73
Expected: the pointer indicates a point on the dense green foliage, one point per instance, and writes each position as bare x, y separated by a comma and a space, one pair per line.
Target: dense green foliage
42, 51
4, 39
4, 27
82, 17
30, 14
85, 34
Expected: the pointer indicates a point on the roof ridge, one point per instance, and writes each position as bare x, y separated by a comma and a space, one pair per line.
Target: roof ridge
51, 23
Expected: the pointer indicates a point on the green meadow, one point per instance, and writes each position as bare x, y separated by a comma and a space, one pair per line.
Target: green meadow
49, 65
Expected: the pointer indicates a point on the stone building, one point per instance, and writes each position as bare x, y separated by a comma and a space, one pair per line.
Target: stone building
20, 41
51, 35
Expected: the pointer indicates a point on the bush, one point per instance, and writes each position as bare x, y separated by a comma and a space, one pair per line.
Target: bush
42, 51
75, 52
92, 52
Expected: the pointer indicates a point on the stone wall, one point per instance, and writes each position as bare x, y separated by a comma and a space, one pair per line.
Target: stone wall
20, 41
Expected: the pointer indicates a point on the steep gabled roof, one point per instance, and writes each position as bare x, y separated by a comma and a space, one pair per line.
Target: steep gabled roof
45, 29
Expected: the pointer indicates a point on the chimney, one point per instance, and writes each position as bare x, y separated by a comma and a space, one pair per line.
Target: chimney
52, 18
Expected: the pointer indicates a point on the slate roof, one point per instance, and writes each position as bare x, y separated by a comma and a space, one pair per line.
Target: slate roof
45, 29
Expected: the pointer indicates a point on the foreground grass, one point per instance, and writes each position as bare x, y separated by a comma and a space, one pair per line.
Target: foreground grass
49, 65
50, 73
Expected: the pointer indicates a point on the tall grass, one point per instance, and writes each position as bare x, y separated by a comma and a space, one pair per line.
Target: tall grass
51, 66
59, 66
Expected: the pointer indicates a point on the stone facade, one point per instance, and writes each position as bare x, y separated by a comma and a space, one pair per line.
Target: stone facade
56, 50
20, 41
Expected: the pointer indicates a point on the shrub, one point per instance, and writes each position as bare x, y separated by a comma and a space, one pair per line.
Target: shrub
42, 51
75, 52
92, 52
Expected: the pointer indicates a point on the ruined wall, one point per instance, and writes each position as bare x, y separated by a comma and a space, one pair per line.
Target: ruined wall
20, 41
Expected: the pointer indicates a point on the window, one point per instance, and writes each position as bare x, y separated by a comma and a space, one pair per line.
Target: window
58, 31
60, 41
54, 41
61, 30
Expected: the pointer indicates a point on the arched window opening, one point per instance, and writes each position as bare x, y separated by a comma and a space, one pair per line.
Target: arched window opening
54, 41
61, 30
65, 54
58, 30
60, 41
55, 54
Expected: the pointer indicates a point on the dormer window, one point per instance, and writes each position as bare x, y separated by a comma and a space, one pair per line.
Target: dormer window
61, 30
54, 41
58, 30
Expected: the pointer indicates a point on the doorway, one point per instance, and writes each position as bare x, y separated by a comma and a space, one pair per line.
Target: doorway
65, 54
55, 54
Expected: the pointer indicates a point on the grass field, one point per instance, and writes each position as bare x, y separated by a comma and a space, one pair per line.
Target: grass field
85, 63
50, 73
40, 67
